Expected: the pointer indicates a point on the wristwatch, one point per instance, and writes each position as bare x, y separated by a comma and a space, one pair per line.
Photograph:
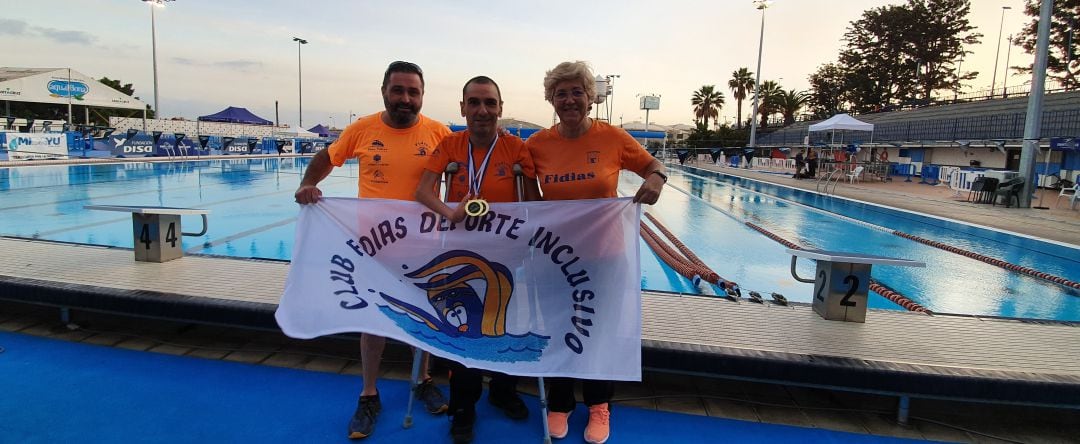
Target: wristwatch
658, 173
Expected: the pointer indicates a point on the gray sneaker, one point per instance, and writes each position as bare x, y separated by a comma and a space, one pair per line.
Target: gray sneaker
362, 423
434, 401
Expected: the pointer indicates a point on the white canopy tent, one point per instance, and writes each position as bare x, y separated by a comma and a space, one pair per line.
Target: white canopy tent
842, 122
295, 132
62, 86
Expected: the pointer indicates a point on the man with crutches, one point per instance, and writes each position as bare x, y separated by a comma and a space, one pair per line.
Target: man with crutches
487, 157
392, 147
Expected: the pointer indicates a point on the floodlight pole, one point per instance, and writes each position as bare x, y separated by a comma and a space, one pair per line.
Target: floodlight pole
153, 43
1005, 78
611, 98
1001, 27
762, 5
300, 79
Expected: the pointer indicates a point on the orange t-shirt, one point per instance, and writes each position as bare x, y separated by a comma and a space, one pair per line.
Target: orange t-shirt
586, 167
498, 183
391, 160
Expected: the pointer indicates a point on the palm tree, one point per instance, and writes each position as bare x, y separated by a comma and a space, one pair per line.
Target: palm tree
741, 83
790, 102
707, 102
769, 102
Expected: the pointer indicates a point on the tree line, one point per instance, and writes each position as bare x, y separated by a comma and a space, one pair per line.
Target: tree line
893, 56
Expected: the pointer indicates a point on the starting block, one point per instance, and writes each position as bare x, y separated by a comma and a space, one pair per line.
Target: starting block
842, 281
156, 230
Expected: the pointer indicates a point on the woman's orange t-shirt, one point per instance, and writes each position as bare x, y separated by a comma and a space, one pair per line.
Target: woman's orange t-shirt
586, 167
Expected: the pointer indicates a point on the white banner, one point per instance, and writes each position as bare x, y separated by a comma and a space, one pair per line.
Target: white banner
532, 289
25, 146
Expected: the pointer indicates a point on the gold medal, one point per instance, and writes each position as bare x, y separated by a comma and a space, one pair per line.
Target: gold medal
476, 207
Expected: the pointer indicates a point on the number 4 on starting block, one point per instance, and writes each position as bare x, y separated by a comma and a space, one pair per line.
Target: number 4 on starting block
156, 230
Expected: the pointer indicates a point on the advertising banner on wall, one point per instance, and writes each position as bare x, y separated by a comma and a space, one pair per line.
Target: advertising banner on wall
142, 145
27, 146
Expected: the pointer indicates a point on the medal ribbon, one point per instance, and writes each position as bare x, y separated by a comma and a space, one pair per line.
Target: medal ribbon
476, 177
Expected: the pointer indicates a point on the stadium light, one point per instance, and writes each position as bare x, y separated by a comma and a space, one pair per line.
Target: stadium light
1001, 27
762, 5
153, 42
300, 79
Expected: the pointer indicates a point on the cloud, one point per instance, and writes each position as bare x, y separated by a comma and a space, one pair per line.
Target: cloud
21, 28
233, 65
239, 65
63, 36
12, 27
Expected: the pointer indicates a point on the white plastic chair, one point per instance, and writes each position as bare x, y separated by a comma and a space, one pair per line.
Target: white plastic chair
1072, 193
854, 175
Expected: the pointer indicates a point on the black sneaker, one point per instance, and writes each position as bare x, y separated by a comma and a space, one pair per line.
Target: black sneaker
461, 425
434, 401
362, 423
511, 405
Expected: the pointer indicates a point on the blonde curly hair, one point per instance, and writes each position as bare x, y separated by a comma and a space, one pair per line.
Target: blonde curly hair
573, 71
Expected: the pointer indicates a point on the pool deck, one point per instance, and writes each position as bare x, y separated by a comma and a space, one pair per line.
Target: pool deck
893, 353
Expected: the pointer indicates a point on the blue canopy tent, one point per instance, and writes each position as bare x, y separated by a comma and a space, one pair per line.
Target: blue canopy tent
233, 114
321, 130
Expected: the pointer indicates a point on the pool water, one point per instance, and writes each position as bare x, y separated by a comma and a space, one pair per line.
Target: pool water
253, 215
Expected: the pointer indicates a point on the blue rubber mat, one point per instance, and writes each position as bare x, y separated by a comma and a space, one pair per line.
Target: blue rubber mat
58, 391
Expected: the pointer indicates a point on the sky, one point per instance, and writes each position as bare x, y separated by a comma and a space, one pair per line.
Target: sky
217, 53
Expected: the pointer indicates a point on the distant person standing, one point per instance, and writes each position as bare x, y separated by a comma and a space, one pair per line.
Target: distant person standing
392, 147
811, 164
800, 163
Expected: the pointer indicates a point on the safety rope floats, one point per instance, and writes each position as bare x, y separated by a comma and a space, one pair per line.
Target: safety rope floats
682, 259
990, 260
875, 286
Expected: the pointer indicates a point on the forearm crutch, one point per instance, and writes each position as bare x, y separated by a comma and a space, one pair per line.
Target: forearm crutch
418, 354
519, 185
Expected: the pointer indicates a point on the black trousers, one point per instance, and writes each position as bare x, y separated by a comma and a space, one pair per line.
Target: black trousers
561, 393
466, 385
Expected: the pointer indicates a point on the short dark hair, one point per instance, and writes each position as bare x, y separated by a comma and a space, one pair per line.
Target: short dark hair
481, 80
405, 67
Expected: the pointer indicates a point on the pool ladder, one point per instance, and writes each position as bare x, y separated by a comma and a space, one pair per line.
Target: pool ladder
832, 178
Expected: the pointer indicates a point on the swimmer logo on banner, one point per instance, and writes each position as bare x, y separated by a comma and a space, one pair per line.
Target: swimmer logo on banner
532, 289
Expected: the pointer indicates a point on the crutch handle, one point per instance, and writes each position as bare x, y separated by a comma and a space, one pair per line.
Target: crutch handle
451, 169
519, 182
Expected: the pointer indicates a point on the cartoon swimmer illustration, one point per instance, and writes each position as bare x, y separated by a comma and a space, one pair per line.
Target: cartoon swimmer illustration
459, 310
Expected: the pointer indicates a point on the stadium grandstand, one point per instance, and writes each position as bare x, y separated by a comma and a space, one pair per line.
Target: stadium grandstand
944, 125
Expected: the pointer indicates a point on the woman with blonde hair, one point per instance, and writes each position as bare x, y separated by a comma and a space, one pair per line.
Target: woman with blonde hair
595, 152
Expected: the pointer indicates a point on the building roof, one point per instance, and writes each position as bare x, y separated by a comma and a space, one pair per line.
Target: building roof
18, 73
511, 122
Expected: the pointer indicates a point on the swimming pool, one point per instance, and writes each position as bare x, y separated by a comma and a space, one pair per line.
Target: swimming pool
253, 214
